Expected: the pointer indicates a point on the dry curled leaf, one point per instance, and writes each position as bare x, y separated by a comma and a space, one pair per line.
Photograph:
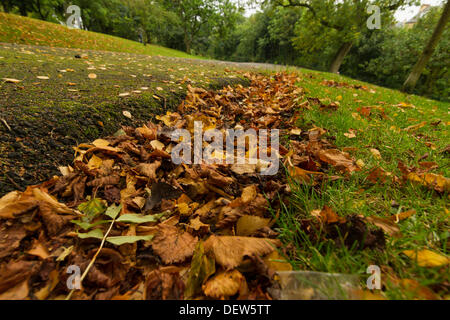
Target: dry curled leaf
225, 284
149, 169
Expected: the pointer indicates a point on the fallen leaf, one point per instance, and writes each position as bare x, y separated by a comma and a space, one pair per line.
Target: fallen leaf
427, 258
229, 252
431, 180
376, 153
10, 80
337, 159
121, 240
172, 245
202, 267
247, 225
387, 225
225, 284
127, 114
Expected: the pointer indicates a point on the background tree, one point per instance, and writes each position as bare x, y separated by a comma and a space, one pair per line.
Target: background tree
339, 21
414, 76
193, 14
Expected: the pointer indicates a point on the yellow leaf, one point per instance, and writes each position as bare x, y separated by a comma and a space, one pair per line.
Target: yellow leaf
427, 258
376, 153
99, 143
431, 180
247, 225
95, 162
276, 262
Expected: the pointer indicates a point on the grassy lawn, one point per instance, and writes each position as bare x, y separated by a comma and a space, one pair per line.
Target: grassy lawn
391, 113
17, 29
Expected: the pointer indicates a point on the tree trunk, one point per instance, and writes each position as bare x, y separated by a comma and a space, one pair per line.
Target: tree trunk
414, 76
340, 55
6, 6
187, 43
23, 9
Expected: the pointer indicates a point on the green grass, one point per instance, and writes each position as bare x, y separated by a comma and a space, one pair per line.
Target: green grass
22, 30
427, 229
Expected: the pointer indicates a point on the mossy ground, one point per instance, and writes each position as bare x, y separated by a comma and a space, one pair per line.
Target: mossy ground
48, 117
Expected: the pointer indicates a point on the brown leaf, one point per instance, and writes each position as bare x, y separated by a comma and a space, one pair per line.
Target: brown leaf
16, 203
10, 239
19, 292
164, 286
14, 273
39, 250
53, 221
230, 251
387, 225
105, 181
149, 169
196, 226
172, 245
403, 215
328, 216
337, 159
377, 175
249, 194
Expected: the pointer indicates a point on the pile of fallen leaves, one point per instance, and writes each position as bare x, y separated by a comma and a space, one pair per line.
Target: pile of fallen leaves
140, 227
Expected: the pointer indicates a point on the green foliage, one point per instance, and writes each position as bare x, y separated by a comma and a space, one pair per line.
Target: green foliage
138, 218
118, 241
396, 52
